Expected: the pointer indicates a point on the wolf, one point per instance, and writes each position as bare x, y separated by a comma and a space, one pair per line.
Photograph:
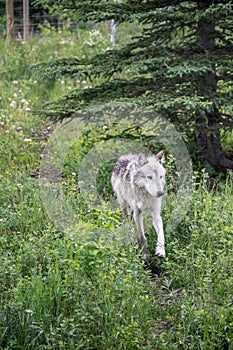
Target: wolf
138, 181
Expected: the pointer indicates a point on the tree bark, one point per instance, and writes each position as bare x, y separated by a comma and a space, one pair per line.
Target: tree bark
208, 138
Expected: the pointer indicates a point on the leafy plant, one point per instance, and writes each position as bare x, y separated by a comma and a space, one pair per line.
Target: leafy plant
88, 288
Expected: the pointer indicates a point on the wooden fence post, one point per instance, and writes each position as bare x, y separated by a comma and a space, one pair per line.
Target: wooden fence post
113, 29
10, 19
25, 20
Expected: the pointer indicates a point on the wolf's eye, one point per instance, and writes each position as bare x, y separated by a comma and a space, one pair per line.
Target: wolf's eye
161, 177
149, 177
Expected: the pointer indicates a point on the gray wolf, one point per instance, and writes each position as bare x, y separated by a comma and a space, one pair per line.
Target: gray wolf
138, 181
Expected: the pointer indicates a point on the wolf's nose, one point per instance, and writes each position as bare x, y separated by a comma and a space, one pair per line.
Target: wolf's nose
160, 193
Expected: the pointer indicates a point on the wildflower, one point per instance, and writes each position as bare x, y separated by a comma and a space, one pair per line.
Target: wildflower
28, 311
27, 140
12, 104
26, 103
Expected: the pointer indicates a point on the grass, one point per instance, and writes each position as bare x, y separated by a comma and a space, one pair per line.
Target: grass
56, 293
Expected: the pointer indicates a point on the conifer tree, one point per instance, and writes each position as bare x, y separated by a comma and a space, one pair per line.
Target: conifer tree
181, 64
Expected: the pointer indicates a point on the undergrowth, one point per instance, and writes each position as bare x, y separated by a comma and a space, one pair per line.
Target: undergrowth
58, 293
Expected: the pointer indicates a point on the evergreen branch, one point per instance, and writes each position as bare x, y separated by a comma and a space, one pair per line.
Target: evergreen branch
58, 68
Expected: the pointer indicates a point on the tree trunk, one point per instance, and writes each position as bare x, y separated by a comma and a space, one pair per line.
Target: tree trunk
208, 138
209, 142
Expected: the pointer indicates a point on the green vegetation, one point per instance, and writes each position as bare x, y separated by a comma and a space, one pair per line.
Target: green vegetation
58, 294
180, 65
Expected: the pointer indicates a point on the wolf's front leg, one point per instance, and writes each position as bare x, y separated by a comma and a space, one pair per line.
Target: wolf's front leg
137, 215
158, 225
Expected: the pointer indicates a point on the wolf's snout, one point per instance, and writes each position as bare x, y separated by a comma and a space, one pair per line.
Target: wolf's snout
160, 193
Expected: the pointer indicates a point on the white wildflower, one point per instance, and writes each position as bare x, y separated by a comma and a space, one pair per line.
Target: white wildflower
28, 311
12, 104
27, 140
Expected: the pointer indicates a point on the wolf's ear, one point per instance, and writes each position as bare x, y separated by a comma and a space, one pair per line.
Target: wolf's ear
160, 157
142, 160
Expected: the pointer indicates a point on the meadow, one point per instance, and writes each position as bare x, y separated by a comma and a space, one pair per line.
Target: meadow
56, 293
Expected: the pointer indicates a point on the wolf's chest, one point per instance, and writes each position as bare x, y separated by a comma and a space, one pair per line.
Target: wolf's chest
144, 200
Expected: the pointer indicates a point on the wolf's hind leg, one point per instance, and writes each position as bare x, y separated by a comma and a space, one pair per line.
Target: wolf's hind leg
123, 204
137, 215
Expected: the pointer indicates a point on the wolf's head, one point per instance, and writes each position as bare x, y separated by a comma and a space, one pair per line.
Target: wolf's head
150, 174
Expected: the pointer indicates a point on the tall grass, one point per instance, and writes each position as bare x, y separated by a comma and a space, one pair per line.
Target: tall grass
58, 294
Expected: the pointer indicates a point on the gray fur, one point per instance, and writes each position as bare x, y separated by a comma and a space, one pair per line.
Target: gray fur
138, 182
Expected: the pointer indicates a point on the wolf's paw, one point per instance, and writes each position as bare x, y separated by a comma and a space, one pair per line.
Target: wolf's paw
160, 252
146, 255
